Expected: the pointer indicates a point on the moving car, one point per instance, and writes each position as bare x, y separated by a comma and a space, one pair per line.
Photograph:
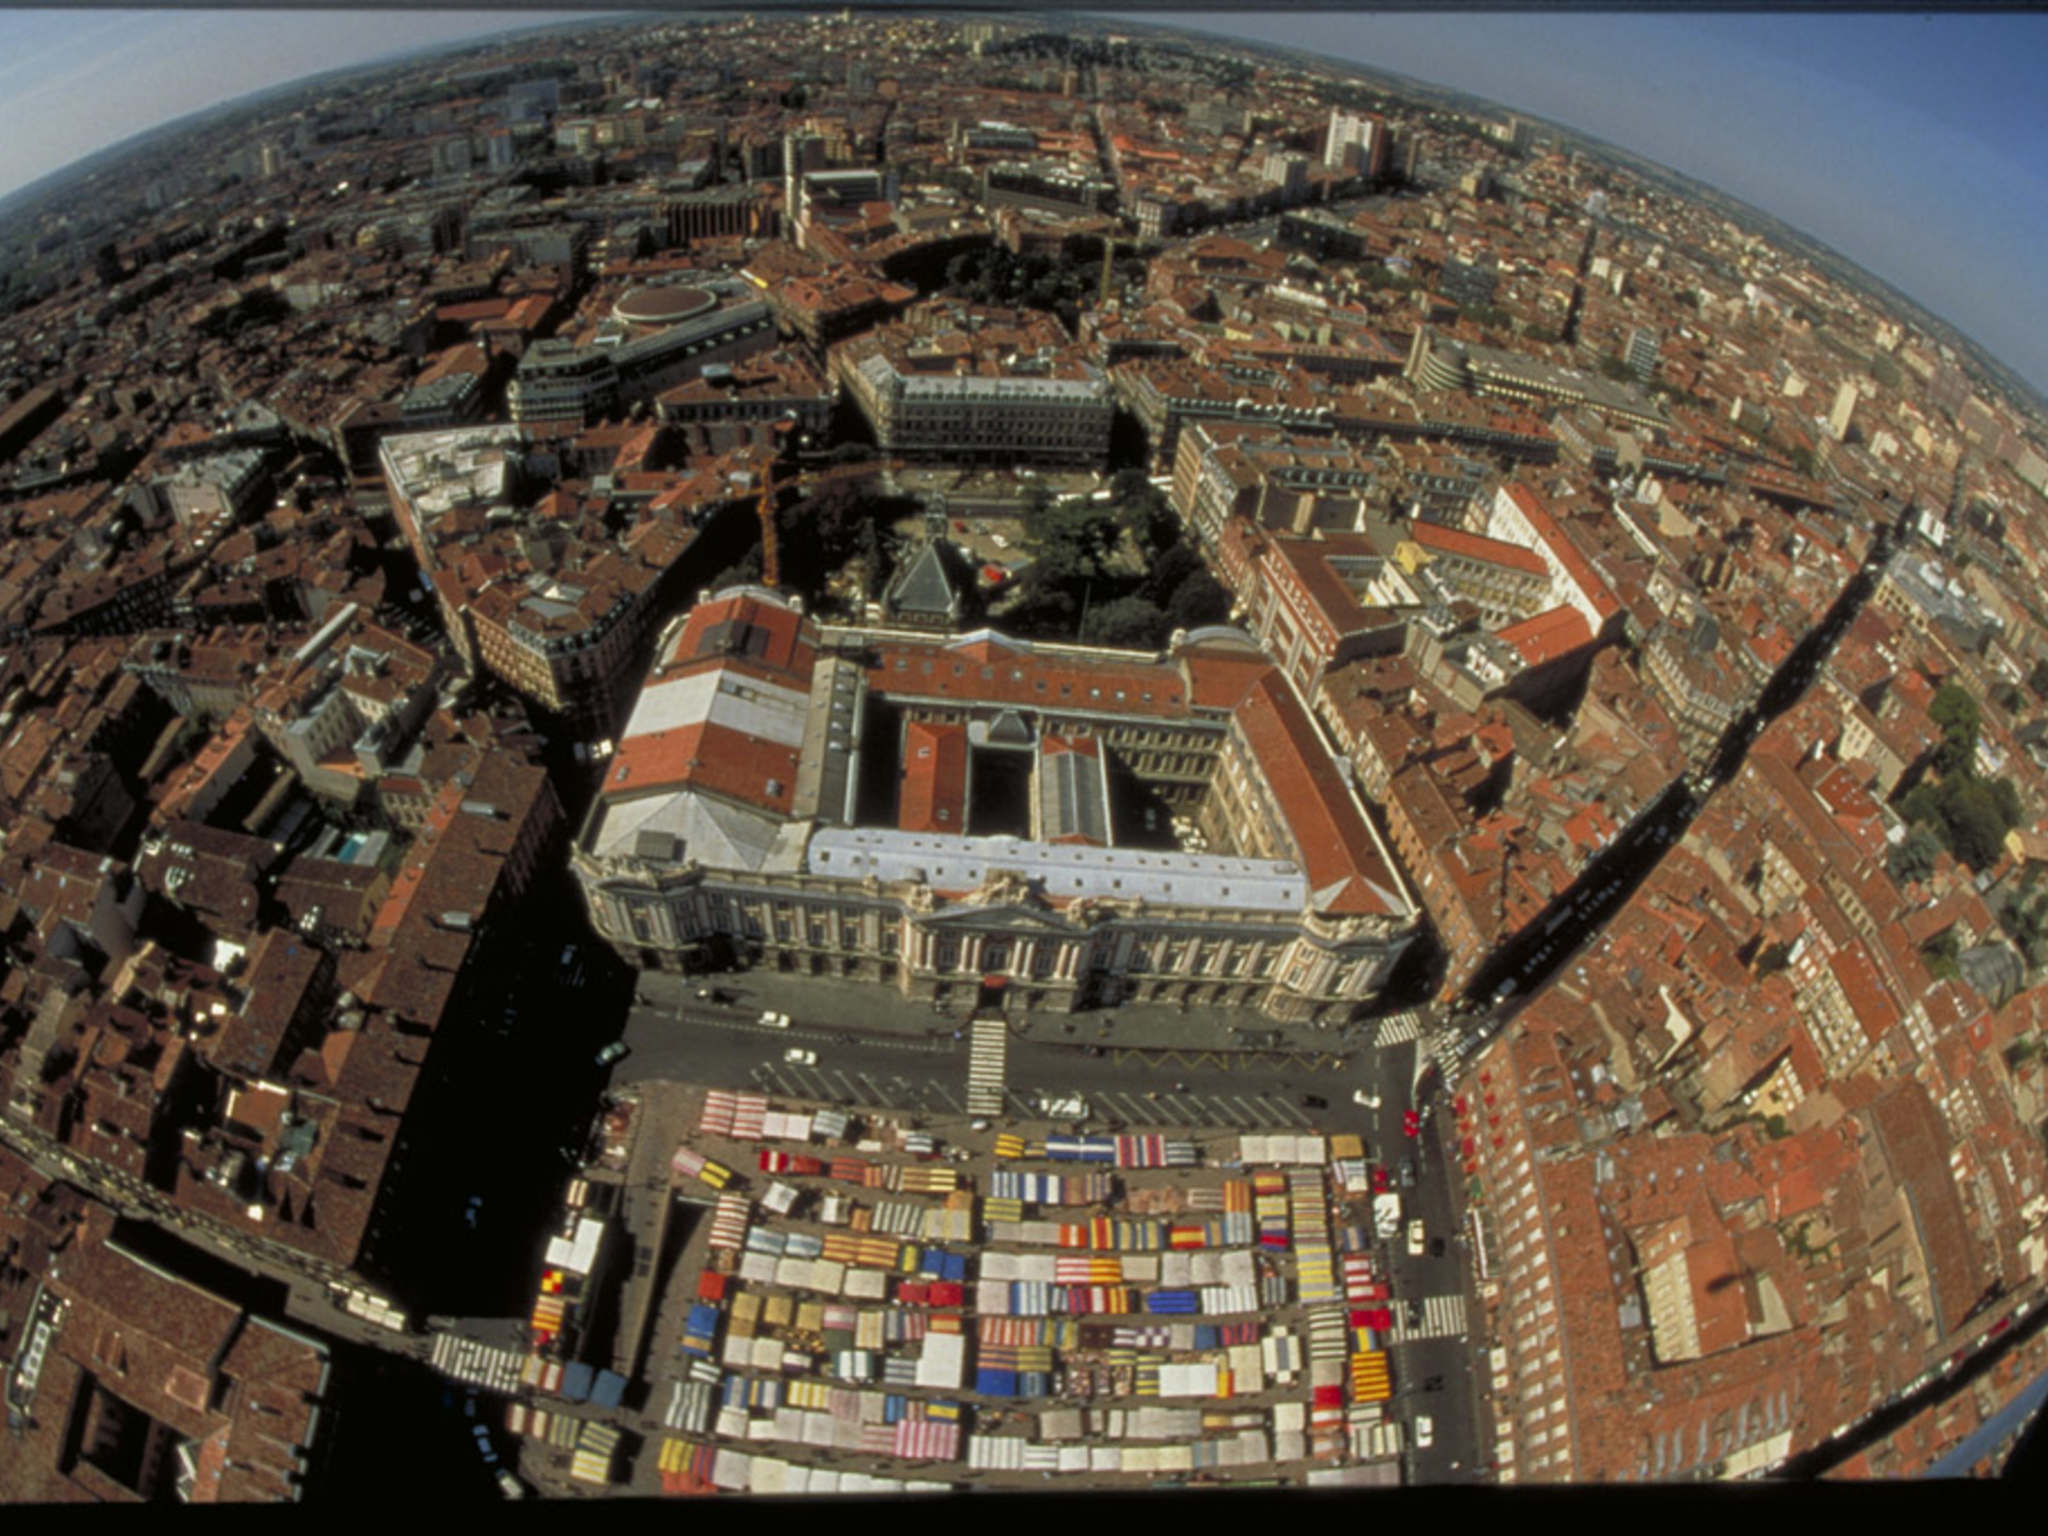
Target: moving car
1425, 1432
1314, 1101
616, 1051
1436, 1247
1407, 1173
798, 1056
1415, 1238
773, 1020
1367, 1100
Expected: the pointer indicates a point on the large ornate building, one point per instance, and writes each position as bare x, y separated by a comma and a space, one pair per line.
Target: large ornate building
945, 814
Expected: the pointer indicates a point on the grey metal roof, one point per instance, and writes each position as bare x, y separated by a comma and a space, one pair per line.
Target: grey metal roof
1073, 796
1065, 871
923, 587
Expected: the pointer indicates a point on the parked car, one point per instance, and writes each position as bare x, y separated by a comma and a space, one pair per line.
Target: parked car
798, 1056
1436, 1247
616, 1051
1407, 1173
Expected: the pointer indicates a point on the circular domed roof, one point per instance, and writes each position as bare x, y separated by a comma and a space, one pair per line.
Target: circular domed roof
670, 305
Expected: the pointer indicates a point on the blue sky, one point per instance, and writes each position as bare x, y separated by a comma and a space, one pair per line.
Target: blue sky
1909, 143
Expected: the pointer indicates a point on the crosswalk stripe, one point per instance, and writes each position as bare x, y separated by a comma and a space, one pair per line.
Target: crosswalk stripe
1443, 1317
1398, 1030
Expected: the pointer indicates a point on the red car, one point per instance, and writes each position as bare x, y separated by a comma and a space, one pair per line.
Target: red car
1379, 1178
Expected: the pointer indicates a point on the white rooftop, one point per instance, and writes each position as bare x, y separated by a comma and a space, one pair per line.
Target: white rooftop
1067, 871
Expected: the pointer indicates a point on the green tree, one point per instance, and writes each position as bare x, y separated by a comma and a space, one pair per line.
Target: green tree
1083, 532
1971, 815
1165, 575
1955, 710
1914, 858
1921, 805
2007, 798
1199, 600
1123, 621
1940, 954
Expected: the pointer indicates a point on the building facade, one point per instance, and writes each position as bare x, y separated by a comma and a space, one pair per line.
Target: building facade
727, 828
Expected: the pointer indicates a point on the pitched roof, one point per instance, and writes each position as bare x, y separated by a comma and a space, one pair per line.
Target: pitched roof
1546, 636
1346, 871
935, 763
1476, 546
922, 586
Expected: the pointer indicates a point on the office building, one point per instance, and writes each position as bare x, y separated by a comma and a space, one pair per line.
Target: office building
1356, 143
1641, 351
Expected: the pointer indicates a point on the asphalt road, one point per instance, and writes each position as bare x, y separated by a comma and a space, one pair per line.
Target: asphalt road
1179, 1088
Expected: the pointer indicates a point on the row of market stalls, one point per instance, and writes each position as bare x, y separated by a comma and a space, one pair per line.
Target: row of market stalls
883, 1305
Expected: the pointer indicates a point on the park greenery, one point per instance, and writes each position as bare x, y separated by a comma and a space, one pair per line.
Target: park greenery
1965, 814
1111, 572
1058, 282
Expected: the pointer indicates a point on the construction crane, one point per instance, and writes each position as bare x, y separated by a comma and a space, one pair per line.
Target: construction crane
774, 481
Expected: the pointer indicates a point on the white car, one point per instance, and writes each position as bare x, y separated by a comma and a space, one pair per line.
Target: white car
1425, 1432
773, 1020
1366, 1100
1416, 1239
798, 1056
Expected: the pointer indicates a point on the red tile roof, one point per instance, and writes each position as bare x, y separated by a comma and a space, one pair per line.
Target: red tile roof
1346, 874
934, 796
1549, 635
1474, 546
711, 758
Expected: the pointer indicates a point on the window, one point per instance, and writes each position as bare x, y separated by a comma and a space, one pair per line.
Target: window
946, 956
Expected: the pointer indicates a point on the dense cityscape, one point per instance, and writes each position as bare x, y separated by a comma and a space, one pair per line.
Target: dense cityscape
866, 754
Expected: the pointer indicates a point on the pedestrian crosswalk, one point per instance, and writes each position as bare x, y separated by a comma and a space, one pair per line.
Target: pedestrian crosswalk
1443, 1317
479, 1364
987, 1066
1398, 1029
